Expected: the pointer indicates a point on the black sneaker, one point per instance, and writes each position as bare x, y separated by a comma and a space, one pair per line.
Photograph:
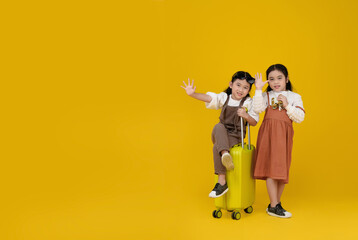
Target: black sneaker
218, 190
280, 206
284, 210
277, 211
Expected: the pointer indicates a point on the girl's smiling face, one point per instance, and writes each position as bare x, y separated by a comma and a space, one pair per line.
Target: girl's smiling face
277, 81
240, 88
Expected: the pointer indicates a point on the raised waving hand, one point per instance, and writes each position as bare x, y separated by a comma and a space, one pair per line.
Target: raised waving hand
190, 88
259, 84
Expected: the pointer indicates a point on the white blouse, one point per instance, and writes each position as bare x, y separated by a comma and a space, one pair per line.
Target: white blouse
295, 110
218, 101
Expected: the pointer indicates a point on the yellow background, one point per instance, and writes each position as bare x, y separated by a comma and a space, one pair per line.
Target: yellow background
100, 142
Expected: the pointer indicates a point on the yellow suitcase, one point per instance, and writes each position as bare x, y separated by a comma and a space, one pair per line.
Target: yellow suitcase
241, 194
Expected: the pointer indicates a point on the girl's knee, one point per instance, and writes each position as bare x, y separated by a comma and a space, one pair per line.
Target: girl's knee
219, 127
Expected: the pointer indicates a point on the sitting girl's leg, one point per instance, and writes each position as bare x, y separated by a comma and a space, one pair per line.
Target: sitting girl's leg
221, 146
222, 179
221, 187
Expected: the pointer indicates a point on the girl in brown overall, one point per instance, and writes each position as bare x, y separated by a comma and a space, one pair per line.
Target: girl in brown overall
275, 137
227, 132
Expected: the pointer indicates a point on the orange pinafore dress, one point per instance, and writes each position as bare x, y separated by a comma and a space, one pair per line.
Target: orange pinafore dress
274, 145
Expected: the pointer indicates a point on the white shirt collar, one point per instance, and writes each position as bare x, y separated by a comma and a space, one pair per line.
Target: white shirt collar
232, 102
275, 94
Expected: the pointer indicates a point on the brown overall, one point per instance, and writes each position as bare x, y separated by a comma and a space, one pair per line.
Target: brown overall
226, 133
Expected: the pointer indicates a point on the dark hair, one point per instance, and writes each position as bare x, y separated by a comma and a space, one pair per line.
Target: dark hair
281, 68
242, 76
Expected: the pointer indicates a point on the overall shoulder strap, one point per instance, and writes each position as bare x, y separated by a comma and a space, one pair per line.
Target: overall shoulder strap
242, 101
227, 100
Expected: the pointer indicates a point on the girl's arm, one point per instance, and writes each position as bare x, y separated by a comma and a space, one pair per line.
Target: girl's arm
242, 113
259, 103
254, 117
202, 97
190, 90
251, 120
295, 111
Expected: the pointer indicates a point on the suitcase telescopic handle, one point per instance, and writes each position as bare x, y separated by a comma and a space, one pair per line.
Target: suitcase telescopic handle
242, 134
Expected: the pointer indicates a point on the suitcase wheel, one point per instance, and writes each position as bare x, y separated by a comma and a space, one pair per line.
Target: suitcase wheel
236, 215
217, 214
249, 210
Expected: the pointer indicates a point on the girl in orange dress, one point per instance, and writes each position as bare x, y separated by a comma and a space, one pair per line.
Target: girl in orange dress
275, 137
